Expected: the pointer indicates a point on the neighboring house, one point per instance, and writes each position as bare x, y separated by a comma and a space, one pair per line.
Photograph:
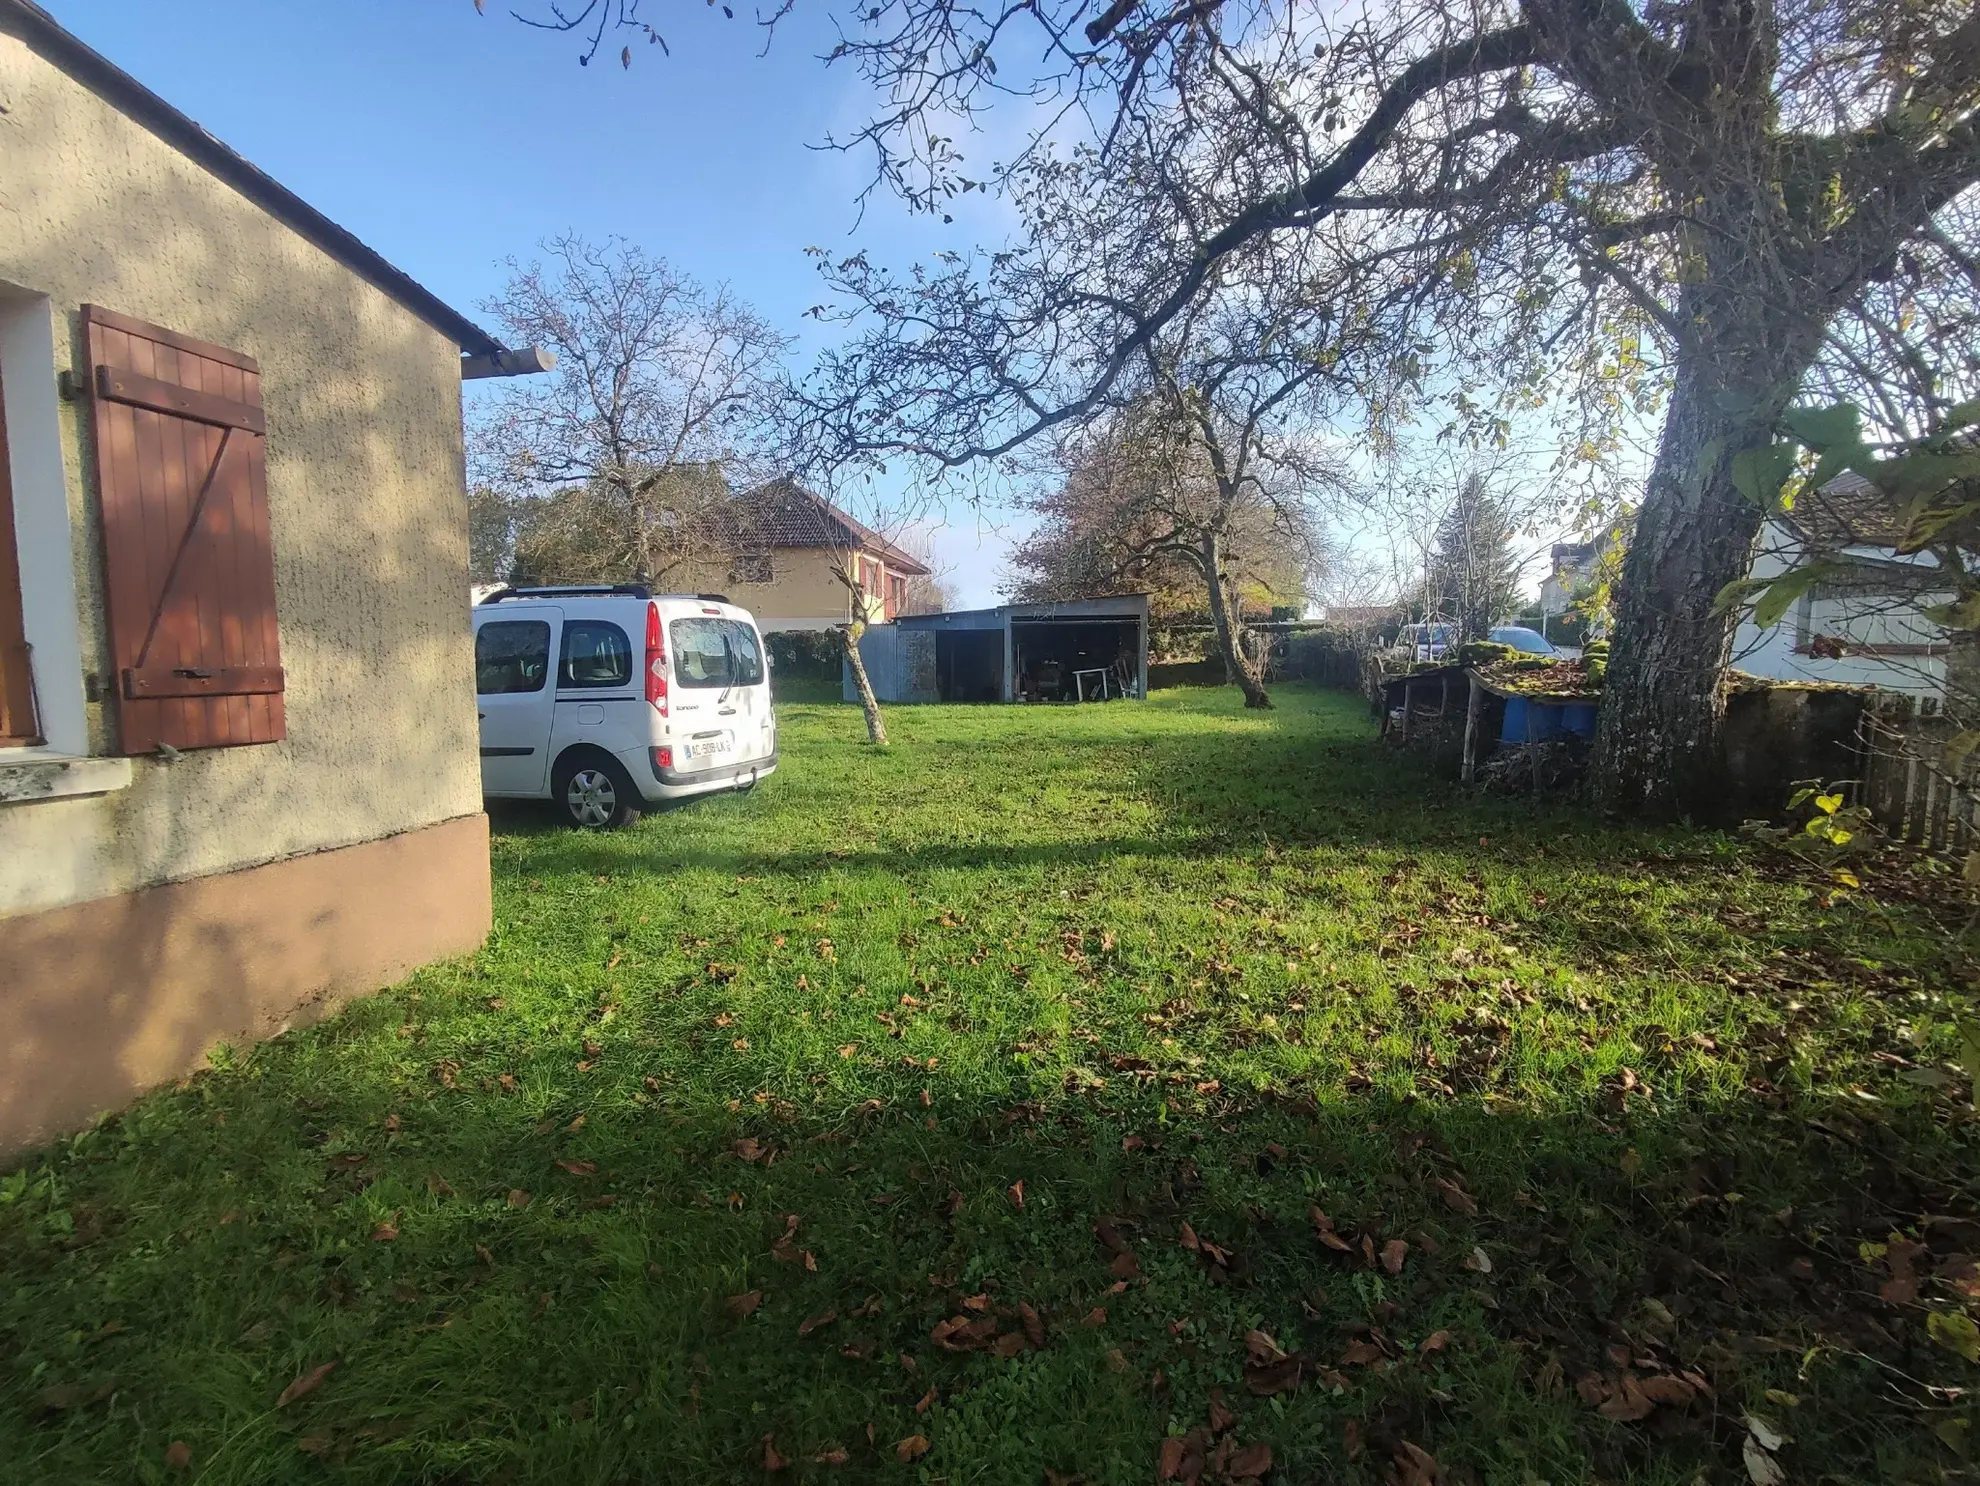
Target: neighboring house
1570, 565
238, 761
791, 545
1862, 628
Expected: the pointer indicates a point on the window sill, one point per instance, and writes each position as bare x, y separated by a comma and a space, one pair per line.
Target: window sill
26, 777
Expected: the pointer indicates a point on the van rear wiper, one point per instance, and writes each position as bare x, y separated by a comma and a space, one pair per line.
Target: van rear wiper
729, 660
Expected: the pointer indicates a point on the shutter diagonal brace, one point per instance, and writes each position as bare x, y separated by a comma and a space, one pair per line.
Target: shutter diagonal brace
185, 541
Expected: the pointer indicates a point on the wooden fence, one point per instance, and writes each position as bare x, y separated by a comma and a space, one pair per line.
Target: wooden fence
1912, 787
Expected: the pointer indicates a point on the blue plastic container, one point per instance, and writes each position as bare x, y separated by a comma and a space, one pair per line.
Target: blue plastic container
1579, 719
1529, 722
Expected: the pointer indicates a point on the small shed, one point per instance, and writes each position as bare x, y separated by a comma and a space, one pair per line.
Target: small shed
1080, 650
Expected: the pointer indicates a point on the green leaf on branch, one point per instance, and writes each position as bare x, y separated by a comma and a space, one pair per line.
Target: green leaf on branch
1961, 416
1926, 522
1738, 592
1962, 613
1838, 426
1922, 473
1759, 473
1778, 594
1955, 1331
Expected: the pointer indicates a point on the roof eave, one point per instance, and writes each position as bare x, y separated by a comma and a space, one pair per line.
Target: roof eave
41, 32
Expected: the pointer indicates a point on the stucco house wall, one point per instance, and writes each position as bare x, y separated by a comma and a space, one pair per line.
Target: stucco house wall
368, 519
803, 591
1779, 650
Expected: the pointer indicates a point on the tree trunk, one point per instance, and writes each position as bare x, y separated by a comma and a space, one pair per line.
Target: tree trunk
876, 727
1236, 664
1657, 748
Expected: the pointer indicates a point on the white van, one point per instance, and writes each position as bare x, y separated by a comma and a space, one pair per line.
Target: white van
610, 700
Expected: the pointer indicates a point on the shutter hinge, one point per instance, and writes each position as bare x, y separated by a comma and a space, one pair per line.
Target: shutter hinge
73, 388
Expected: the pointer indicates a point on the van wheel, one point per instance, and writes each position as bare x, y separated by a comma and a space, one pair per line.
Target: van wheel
595, 795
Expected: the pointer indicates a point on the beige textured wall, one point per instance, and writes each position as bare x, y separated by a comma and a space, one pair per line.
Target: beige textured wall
365, 494
802, 586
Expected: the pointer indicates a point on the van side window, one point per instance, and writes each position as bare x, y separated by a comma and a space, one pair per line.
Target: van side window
596, 653
716, 652
511, 655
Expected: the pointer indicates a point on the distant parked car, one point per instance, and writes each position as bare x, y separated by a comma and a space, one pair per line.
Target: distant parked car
1426, 642
655, 698
1529, 641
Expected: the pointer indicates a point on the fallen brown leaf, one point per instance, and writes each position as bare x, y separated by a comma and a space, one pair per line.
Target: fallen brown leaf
386, 1231
1015, 1191
744, 1304
1415, 1466
1095, 1317
927, 1401
1436, 1341
518, 1197
811, 1323
1456, 1198
1351, 1444
772, 1461
1360, 1353
308, 1383
1393, 1254
1264, 1379
1627, 1403
835, 1456
1249, 1463
1009, 1344
911, 1449
178, 1455
1034, 1325
1323, 1229
578, 1168
1221, 1417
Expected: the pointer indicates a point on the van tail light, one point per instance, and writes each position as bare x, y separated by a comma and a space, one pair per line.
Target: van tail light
663, 758
656, 661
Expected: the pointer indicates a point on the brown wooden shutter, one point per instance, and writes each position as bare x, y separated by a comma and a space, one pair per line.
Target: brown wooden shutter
189, 571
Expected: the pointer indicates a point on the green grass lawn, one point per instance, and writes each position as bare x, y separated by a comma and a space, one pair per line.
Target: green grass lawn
966, 1113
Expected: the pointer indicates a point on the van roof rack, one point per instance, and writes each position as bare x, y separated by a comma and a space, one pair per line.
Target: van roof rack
572, 590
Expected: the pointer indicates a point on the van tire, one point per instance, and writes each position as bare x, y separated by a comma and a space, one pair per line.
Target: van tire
593, 793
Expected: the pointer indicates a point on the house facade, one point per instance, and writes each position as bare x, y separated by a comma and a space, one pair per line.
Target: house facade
238, 762
792, 546
1862, 627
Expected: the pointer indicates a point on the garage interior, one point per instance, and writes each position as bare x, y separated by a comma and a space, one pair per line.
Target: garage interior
1069, 660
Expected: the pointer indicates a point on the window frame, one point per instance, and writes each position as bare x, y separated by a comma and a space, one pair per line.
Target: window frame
39, 468
571, 626
677, 649
518, 623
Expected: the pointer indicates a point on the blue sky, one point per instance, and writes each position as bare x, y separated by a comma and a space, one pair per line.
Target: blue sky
451, 141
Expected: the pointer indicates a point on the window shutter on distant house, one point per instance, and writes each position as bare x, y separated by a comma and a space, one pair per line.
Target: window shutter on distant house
189, 570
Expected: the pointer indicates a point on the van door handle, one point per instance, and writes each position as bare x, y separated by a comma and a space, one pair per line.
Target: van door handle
725, 712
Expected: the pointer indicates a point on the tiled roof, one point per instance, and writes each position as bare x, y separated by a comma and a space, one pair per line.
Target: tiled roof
782, 513
1849, 511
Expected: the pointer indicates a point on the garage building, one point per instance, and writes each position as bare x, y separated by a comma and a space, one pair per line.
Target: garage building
1080, 650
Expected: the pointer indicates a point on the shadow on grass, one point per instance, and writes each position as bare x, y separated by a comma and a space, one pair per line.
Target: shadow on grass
617, 1275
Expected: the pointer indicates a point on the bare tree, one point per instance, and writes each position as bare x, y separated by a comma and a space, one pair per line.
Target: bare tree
617, 464
1615, 201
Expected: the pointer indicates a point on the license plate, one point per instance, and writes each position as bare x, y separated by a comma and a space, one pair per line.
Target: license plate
708, 747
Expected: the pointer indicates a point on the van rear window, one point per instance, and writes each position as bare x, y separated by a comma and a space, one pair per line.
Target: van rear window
715, 652
596, 653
